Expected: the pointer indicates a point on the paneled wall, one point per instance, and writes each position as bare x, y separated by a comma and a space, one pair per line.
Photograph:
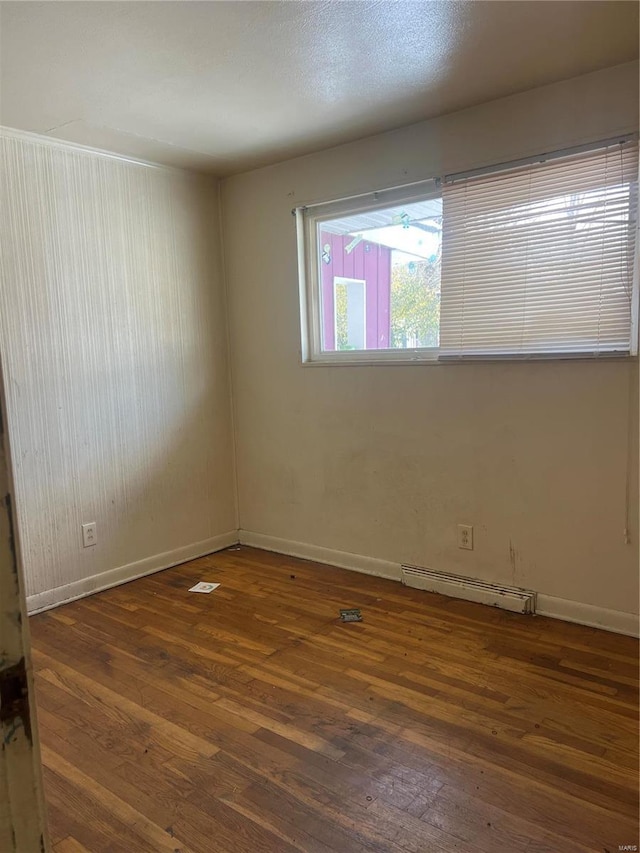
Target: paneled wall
113, 338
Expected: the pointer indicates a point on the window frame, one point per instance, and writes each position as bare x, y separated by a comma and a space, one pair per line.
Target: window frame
308, 218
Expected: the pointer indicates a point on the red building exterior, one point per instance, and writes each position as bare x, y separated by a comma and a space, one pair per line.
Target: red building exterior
366, 262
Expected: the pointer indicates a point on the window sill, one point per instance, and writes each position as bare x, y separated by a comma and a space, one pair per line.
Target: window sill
434, 361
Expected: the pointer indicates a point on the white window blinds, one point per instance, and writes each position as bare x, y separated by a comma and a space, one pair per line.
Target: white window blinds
539, 259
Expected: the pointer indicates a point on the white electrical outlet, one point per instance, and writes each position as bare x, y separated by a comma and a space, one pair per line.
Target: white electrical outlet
465, 536
89, 534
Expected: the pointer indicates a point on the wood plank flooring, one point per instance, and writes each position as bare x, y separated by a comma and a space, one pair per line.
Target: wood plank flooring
252, 719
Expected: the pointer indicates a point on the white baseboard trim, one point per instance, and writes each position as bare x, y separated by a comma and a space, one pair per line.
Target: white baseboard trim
589, 614
342, 559
547, 605
96, 583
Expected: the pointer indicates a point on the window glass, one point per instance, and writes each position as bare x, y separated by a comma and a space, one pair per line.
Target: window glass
379, 275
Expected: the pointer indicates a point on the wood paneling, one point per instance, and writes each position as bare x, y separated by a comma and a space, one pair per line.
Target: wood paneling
112, 333
253, 719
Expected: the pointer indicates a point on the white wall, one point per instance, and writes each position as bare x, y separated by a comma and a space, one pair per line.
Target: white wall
383, 462
114, 345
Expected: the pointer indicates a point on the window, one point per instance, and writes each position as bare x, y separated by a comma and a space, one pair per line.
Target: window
527, 259
375, 274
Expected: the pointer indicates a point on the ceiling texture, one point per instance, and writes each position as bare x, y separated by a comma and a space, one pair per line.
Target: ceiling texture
223, 87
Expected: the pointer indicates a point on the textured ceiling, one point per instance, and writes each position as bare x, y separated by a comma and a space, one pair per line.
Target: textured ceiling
225, 86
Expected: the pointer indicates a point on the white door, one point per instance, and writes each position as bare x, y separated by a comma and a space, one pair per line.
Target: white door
350, 312
22, 813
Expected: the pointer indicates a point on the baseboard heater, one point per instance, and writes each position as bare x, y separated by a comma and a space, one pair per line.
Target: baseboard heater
506, 597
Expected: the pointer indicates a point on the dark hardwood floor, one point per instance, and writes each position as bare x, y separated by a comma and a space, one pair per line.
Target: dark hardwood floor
252, 719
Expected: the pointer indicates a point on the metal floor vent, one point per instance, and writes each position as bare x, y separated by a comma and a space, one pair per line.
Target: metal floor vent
507, 597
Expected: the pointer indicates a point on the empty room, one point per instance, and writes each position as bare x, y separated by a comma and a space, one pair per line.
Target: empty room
319, 426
